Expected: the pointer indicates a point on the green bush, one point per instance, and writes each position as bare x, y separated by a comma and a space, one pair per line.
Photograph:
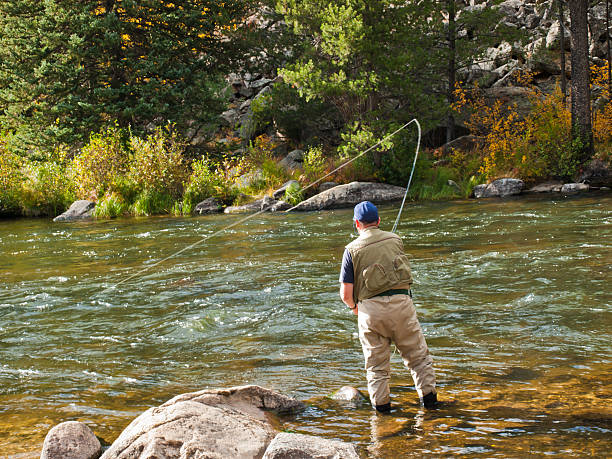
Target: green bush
11, 179
47, 189
100, 162
294, 194
314, 164
158, 163
110, 206
152, 202
205, 181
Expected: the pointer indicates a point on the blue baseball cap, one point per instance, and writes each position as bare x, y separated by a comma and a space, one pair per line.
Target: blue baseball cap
365, 212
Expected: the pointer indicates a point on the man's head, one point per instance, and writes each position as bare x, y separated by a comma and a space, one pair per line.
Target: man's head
365, 215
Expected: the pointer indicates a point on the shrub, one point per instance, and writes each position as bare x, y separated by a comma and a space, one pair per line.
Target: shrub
153, 202
48, 188
204, 181
100, 162
314, 164
294, 194
158, 164
110, 206
10, 180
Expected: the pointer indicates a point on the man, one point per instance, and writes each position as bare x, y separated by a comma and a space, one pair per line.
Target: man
375, 283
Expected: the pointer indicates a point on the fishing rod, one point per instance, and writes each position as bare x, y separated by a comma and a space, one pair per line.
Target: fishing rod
265, 207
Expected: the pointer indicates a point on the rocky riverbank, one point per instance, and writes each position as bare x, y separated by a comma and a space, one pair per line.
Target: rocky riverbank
238, 422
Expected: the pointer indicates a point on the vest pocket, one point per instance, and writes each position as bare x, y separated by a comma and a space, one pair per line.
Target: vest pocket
401, 265
375, 277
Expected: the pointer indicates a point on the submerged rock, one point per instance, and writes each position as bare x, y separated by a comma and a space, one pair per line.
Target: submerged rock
78, 210
349, 394
223, 423
71, 440
351, 194
499, 188
298, 446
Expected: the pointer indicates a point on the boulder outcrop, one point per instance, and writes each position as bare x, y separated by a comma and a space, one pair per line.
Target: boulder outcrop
351, 194
78, 210
298, 446
499, 188
224, 423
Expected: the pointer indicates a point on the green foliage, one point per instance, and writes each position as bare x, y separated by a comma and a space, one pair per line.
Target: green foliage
314, 163
102, 161
47, 189
294, 194
205, 181
152, 202
158, 163
68, 68
110, 206
11, 178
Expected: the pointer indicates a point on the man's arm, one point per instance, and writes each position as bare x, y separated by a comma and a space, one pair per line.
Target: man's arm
346, 294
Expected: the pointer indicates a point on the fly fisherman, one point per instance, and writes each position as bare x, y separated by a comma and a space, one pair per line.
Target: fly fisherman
375, 283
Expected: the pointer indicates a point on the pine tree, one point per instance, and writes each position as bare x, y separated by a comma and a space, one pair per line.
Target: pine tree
69, 67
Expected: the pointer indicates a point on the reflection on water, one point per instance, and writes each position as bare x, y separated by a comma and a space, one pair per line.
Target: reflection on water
513, 297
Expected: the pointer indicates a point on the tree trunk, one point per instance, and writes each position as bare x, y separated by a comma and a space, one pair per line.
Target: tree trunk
580, 87
452, 56
562, 36
608, 44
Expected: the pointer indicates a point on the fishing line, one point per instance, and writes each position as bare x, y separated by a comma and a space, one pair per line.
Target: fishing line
265, 207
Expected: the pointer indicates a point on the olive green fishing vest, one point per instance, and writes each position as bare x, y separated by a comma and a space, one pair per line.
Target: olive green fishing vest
379, 263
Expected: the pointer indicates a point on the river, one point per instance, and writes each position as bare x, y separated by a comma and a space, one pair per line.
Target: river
513, 296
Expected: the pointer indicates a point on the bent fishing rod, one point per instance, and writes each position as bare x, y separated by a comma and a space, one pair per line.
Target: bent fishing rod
266, 207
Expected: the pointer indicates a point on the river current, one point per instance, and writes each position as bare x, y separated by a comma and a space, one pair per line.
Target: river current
513, 296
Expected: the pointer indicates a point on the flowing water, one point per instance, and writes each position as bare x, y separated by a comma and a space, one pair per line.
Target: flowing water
514, 298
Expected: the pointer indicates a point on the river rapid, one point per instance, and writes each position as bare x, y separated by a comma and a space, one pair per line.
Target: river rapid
513, 296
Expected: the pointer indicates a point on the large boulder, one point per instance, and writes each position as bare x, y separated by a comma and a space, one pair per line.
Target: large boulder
280, 193
351, 194
348, 394
574, 187
294, 160
71, 440
78, 210
209, 206
499, 188
298, 446
596, 173
225, 423
548, 187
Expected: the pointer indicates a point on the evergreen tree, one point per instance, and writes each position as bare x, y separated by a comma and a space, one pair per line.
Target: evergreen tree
69, 67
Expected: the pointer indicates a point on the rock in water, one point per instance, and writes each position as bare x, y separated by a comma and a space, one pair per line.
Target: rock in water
225, 423
348, 394
574, 187
209, 206
78, 210
71, 440
499, 188
352, 194
299, 446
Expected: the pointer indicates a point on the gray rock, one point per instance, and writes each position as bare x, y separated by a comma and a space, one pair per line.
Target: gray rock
548, 187
327, 186
574, 187
553, 38
230, 116
293, 160
226, 423
209, 206
71, 440
277, 194
499, 188
251, 207
596, 173
78, 210
280, 206
298, 446
260, 83
351, 194
349, 394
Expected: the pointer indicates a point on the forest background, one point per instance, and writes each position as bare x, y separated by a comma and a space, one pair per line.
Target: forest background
120, 101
